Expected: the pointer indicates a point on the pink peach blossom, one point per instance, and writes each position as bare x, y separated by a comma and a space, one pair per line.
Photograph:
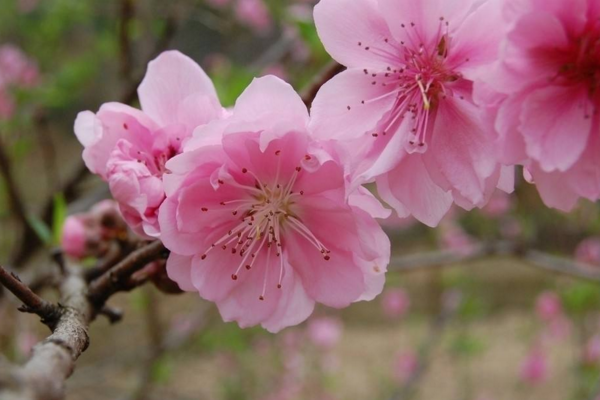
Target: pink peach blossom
254, 14
548, 306
406, 364
395, 303
454, 238
534, 369
592, 350
129, 148
588, 251
542, 97
404, 108
259, 221
16, 68
325, 332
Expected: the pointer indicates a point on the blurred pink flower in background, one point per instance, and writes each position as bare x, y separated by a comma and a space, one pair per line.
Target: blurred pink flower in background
591, 353
395, 303
588, 251
534, 368
548, 306
499, 205
325, 332
16, 68
405, 365
558, 328
454, 238
254, 14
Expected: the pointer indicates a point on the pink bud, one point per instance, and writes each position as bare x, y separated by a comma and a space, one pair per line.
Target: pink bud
74, 237
534, 367
548, 306
325, 332
405, 366
395, 303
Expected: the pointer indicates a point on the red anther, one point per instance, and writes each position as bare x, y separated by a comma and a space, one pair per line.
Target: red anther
204, 209
248, 267
234, 277
279, 286
327, 258
244, 170
203, 256
261, 298
298, 169
277, 152
125, 126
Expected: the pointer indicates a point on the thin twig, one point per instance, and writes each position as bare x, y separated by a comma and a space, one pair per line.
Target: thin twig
32, 303
127, 13
534, 258
117, 277
329, 72
15, 199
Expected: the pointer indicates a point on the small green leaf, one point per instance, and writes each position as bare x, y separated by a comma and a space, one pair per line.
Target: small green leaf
41, 229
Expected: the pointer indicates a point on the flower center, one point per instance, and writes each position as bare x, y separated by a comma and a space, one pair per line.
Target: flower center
263, 217
418, 78
583, 61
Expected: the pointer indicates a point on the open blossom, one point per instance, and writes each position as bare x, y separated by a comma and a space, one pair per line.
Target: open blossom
129, 148
543, 97
404, 107
259, 221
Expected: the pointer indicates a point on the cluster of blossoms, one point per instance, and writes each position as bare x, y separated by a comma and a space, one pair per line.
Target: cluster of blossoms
255, 211
262, 205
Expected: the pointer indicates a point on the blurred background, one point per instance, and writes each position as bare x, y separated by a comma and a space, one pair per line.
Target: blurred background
448, 326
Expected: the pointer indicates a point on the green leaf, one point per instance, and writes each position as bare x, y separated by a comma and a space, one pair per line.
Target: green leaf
41, 229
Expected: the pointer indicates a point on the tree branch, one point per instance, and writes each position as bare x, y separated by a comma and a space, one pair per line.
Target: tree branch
32, 303
329, 72
534, 258
116, 279
53, 360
